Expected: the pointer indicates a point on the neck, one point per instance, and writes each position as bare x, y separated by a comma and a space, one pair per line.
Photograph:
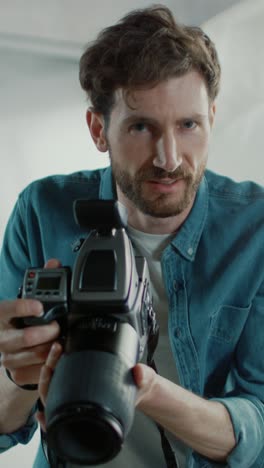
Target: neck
153, 225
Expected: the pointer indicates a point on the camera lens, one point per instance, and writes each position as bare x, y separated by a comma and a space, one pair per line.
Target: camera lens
90, 406
86, 435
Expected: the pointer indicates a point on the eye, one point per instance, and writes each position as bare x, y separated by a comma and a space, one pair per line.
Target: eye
189, 124
140, 127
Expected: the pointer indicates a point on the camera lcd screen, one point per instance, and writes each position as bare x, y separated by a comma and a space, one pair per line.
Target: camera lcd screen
48, 282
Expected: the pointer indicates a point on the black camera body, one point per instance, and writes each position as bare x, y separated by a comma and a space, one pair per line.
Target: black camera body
104, 307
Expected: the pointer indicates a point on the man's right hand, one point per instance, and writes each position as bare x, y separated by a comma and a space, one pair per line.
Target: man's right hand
24, 351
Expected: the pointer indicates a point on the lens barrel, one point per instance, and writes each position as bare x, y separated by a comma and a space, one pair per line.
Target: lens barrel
90, 406
85, 434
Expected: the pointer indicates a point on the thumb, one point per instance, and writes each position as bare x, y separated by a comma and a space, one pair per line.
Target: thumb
143, 375
145, 379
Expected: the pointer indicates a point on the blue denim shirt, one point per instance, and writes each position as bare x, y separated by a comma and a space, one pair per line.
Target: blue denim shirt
213, 272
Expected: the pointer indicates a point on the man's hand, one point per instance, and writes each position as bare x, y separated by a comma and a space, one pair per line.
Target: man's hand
201, 424
24, 351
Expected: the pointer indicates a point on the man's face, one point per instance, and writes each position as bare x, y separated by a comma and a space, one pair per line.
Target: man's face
158, 144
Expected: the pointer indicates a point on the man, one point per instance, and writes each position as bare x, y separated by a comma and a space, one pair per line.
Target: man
152, 85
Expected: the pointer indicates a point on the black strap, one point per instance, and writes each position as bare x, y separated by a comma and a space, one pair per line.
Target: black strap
169, 455
25, 387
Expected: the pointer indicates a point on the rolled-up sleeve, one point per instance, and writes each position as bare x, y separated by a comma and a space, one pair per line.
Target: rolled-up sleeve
247, 415
245, 399
21, 436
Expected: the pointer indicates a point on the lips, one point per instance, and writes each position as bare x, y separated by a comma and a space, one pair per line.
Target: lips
165, 181
165, 185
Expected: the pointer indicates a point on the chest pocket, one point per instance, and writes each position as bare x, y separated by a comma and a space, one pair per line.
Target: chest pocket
228, 322
225, 329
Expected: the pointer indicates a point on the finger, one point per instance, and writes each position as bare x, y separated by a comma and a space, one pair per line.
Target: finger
14, 340
47, 370
26, 375
34, 336
18, 308
40, 417
53, 356
28, 357
52, 263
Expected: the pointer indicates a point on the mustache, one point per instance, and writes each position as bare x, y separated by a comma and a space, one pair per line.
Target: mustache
159, 173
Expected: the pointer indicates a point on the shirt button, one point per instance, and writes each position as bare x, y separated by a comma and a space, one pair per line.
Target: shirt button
177, 285
190, 251
178, 332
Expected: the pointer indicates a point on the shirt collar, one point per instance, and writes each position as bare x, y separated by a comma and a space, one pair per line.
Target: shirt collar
107, 186
187, 239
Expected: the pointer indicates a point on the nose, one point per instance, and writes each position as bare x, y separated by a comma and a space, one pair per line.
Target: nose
167, 153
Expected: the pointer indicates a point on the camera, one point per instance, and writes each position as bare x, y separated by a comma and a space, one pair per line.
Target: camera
105, 311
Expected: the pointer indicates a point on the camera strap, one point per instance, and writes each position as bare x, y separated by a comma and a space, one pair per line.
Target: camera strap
169, 454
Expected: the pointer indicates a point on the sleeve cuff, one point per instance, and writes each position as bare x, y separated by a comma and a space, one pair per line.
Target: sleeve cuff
247, 416
21, 436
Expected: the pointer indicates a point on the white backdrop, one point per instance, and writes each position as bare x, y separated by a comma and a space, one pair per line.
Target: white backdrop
43, 131
237, 146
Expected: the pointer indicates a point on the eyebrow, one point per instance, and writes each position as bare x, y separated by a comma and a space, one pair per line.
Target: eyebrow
146, 119
138, 117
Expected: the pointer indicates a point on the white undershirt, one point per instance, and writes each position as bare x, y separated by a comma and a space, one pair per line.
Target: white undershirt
151, 246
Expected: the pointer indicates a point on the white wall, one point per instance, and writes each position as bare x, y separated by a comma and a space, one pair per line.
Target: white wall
21, 456
237, 146
42, 122
42, 118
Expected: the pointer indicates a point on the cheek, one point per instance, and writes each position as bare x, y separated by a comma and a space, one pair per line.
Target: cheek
132, 151
140, 142
197, 146
195, 151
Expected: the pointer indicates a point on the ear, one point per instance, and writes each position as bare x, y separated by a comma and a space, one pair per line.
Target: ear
95, 122
212, 112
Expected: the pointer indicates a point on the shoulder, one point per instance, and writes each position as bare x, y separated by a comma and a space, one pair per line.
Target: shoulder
223, 187
60, 189
64, 182
52, 197
236, 204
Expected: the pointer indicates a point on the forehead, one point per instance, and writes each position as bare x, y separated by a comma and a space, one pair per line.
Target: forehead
177, 95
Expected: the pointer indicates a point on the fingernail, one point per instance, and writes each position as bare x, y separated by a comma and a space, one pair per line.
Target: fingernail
33, 307
54, 349
37, 308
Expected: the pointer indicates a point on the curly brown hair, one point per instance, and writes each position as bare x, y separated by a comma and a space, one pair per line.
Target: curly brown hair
144, 48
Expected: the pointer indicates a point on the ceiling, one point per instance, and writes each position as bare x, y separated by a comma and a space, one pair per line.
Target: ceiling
66, 25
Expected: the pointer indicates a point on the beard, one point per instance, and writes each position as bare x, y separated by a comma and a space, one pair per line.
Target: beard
160, 205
